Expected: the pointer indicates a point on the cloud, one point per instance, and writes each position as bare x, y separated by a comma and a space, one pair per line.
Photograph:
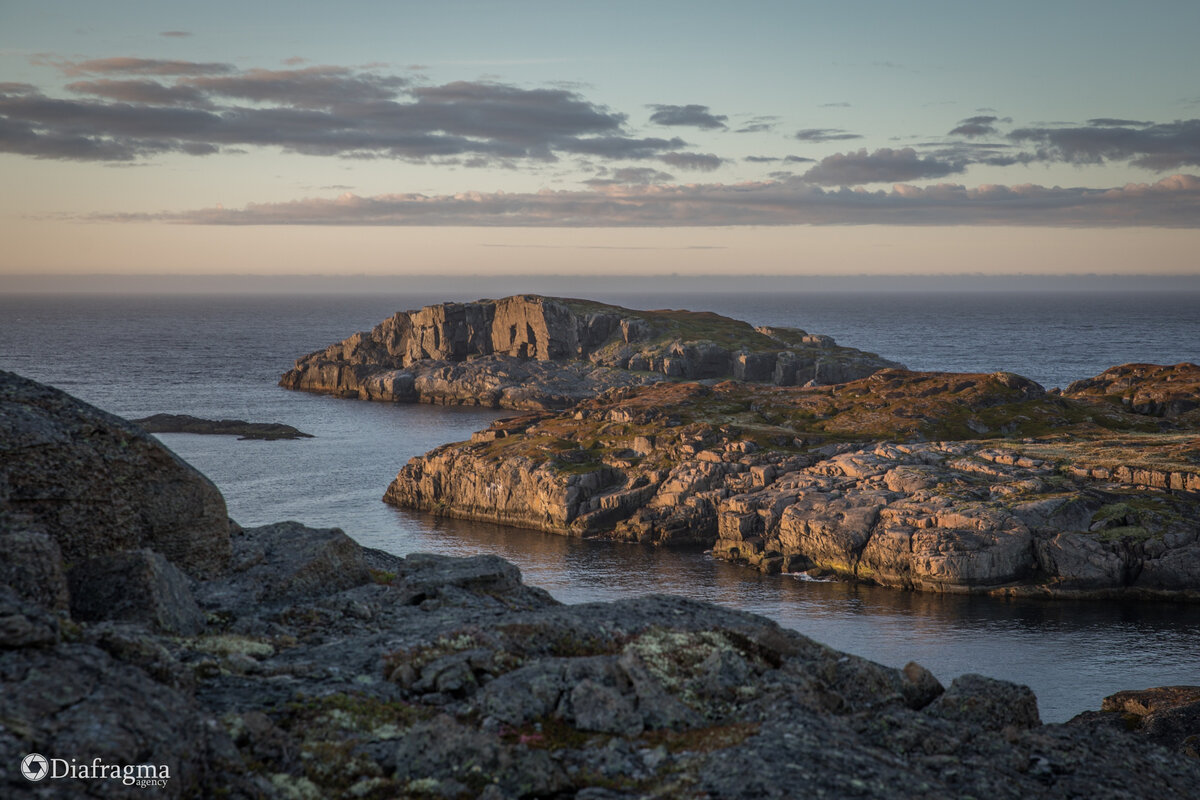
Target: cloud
1172, 202
1158, 146
704, 162
825, 135
885, 165
632, 175
136, 108
140, 66
995, 154
176, 34
691, 115
834, 105
310, 87
975, 126
141, 91
1109, 122
759, 124
771, 159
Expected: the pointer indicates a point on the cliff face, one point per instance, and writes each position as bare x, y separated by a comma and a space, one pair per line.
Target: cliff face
932, 481
533, 352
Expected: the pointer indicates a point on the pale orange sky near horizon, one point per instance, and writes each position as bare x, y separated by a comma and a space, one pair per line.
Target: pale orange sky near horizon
156, 248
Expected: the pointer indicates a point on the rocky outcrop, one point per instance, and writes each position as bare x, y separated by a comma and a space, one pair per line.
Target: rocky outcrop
532, 352
184, 423
1161, 391
319, 668
96, 484
1167, 715
884, 480
448, 677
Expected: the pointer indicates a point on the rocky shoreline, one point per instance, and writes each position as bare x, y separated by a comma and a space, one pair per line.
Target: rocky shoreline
138, 625
938, 482
529, 352
780, 450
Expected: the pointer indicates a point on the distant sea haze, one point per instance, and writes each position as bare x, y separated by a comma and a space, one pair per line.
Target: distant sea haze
467, 286
220, 356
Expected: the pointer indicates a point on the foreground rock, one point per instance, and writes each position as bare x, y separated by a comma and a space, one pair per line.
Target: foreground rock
96, 484
440, 677
933, 481
308, 666
530, 352
184, 423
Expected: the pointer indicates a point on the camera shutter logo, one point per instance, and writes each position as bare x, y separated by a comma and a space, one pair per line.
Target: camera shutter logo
35, 766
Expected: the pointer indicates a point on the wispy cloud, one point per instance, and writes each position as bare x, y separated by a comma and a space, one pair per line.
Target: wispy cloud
139, 66
691, 115
759, 124
630, 175
704, 162
176, 34
825, 135
976, 126
1171, 202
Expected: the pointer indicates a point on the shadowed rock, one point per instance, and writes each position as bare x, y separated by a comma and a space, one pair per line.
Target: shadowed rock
97, 484
183, 423
134, 586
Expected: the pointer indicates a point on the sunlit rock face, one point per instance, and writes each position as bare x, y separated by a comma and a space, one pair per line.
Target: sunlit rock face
532, 352
941, 482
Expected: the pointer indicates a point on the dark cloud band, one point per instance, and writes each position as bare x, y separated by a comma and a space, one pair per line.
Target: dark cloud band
1172, 202
128, 111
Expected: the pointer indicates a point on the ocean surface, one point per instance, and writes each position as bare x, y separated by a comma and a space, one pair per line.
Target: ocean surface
220, 357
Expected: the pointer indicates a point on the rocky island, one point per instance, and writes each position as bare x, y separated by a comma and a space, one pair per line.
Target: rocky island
530, 352
185, 423
781, 450
140, 627
934, 481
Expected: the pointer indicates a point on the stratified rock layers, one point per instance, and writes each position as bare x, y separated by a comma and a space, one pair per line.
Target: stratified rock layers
531, 352
890, 479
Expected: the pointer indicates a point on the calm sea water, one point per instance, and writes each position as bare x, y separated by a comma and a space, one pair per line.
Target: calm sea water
221, 356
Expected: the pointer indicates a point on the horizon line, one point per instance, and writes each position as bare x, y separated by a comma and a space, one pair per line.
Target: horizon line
561, 284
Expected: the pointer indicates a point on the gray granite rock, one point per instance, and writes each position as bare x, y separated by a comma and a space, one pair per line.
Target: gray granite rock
98, 484
135, 586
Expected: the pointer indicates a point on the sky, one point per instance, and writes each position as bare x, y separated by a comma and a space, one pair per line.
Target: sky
582, 138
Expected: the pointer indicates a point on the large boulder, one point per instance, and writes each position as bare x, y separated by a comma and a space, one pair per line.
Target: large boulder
98, 484
135, 586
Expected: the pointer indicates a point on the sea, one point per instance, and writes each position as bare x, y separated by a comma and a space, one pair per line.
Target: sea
220, 356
